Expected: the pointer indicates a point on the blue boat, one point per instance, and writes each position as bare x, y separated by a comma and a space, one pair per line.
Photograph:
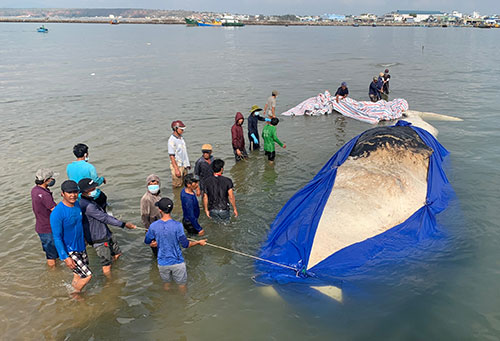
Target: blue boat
42, 29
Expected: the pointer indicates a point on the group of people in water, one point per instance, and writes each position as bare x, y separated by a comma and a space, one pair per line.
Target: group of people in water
81, 218
377, 90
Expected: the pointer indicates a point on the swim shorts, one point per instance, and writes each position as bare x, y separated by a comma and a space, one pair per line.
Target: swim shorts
105, 251
270, 155
48, 245
81, 261
177, 271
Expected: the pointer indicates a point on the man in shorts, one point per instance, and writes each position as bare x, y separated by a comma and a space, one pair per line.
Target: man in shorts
67, 229
43, 203
167, 234
95, 228
177, 151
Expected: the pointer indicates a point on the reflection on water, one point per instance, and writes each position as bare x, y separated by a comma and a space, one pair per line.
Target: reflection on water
119, 94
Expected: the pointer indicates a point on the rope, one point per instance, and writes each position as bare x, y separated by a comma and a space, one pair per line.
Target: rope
247, 255
237, 252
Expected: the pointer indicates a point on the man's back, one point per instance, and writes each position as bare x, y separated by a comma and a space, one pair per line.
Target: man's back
217, 188
80, 169
168, 234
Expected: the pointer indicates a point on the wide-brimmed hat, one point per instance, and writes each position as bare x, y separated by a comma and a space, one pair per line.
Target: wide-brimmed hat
255, 108
206, 146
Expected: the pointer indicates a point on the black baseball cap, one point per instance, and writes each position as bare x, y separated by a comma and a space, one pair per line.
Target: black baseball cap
87, 184
165, 204
69, 186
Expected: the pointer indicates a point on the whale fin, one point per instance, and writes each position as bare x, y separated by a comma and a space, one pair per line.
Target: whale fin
432, 116
330, 291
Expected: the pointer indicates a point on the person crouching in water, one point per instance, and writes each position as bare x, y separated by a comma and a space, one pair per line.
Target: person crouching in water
167, 234
96, 232
190, 206
238, 139
149, 212
270, 137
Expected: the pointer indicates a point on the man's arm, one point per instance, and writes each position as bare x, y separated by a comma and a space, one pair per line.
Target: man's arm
94, 212
185, 243
189, 215
205, 204
57, 234
94, 176
150, 237
232, 200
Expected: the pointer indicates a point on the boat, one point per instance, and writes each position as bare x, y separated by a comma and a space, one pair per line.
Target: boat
114, 22
229, 20
191, 21
212, 23
355, 25
233, 24
43, 29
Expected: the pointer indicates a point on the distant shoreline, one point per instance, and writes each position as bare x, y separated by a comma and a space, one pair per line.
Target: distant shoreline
182, 22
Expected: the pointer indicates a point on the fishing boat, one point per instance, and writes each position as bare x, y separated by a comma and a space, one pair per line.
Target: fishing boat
191, 21
355, 25
231, 21
114, 22
212, 23
43, 29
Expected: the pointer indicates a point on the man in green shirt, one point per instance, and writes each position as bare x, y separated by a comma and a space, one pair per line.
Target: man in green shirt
270, 137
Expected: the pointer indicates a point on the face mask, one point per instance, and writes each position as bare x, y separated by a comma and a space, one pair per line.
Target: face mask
154, 188
86, 159
52, 183
94, 193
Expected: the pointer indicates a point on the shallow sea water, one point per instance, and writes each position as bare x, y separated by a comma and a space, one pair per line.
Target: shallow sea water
117, 88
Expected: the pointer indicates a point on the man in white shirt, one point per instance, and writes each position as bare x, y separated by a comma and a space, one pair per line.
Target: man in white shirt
179, 159
270, 108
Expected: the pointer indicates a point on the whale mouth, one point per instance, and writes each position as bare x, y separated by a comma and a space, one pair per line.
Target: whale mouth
399, 137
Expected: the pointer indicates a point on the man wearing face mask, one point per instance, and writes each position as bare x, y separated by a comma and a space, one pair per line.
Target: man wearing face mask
149, 211
43, 203
82, 168
95, 228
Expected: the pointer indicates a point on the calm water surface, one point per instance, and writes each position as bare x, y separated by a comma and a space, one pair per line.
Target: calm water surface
117, 88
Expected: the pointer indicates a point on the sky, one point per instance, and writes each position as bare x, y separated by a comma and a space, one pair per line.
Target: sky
268, 7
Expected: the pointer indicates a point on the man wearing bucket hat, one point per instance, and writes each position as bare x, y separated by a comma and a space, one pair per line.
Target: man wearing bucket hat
43, 203
179, 159
253, 130
203, 166
270, 107
342, 92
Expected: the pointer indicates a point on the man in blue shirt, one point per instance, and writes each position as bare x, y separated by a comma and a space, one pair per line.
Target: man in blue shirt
374, 91
190, 206
67, 230
81, 169
167, 234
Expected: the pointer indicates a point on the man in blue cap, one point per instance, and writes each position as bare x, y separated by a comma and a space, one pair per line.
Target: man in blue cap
342, 92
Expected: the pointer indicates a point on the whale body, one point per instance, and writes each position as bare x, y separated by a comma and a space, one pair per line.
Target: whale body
379, 194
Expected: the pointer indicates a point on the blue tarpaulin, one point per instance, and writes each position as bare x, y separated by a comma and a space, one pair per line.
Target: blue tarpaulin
292, 232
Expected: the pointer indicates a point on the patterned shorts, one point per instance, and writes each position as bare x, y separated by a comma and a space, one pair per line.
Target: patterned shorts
82, 261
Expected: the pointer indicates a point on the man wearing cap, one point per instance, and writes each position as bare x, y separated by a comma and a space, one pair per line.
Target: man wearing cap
179, 159
270, 107
374, 91
219, 194
43, 203
67, 229
95, 228
253, 129
190, 206
237, 137
202, 167
82, 168
167, 234
342, 92
149, 211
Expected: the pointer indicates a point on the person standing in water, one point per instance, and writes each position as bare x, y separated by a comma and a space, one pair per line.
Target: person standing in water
385, 88
177, 151
149, 211
190, 206
219, 193
82, 168
167, 234
270, 107
238, 140
67, 229
253, 129
270, 137
43, 203
203, 166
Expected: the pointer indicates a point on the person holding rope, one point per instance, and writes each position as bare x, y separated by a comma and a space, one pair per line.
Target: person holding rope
167, 234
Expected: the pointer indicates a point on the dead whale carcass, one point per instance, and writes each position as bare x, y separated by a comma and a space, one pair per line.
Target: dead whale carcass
380, 192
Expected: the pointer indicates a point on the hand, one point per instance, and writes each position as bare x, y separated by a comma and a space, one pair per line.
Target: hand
255, 141
104, 180
201, 233
177, 173
70, 263
208, 213
130, 226
202, 242
238, 152
153, 244
235, 212
284, 146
